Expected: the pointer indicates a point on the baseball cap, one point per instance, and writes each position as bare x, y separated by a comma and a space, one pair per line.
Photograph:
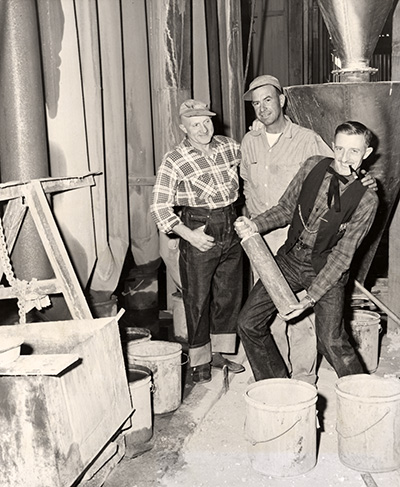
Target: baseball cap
264, 79
194, 108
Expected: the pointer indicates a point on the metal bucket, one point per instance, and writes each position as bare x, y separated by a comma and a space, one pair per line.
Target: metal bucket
365, 327
164, 359
132, 336
281, 427
368, 412
140, 385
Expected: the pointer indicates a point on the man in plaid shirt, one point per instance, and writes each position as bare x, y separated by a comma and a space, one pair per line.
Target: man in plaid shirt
200, 176
329, 212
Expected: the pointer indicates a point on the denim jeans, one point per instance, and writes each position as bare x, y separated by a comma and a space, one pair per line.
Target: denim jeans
212, 283
258, 312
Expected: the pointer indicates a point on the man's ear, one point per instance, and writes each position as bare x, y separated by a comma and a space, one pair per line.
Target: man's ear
282, 100
183, 128
333, 146
368, 152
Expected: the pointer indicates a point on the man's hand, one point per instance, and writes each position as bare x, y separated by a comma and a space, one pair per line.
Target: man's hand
201, 240
245, 227
257, 125
368, 180
298, 309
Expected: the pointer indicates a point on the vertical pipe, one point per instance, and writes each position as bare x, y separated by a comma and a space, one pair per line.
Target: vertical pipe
23, 140
170, 68
170, 54
231, 53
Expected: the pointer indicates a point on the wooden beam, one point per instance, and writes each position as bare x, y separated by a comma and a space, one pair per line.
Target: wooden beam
56, 252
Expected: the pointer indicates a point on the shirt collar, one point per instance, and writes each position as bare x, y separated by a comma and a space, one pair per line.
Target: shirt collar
350, 178
187, 144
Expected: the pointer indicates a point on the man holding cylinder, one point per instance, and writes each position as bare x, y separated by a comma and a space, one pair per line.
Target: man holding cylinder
329, 212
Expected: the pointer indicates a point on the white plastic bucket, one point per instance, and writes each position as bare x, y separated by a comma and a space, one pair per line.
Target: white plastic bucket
139, 379
368, 422
164, 359
281, 426
365, 327
179, 319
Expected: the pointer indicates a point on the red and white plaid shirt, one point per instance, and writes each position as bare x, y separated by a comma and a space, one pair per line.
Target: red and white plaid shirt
187, 177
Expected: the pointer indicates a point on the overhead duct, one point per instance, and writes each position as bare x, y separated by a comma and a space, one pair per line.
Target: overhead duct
355, 27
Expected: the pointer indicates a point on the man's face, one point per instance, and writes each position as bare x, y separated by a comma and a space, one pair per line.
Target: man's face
349, 150
198, 129
267, 104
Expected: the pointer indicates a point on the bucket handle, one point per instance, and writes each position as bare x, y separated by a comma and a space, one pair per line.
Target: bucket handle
366, 429
172, 366
254, 443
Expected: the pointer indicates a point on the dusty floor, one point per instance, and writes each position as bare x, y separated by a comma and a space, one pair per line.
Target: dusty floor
203, 443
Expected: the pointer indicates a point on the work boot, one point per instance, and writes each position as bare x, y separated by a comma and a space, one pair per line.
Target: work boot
201, 373
219, 361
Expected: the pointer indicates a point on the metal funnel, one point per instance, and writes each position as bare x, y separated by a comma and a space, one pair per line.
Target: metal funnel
377, 105
354, 26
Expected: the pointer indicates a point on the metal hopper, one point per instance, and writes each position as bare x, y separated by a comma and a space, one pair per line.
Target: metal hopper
354, 27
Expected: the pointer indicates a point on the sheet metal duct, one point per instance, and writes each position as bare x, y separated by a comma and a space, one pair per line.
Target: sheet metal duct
23, 142
354, 26
377, 105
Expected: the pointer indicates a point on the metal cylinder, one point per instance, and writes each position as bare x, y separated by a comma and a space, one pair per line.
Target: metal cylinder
23, 137
270, 274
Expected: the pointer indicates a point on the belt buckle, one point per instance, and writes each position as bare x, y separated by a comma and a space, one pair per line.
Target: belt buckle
300, 245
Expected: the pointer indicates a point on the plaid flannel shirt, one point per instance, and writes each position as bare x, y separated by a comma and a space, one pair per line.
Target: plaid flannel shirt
187, 177
340, 258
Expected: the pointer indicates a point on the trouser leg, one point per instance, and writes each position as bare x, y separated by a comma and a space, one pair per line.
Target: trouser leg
332, 338
226, 299
303, 348
211, 284
196, 271
254, 331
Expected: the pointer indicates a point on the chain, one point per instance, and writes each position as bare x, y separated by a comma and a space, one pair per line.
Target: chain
19, 286
304, 223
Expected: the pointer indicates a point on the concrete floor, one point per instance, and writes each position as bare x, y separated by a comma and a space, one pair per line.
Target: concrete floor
203, 442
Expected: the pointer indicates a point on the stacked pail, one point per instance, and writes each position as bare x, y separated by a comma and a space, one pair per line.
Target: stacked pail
140, 385
164, 359
132, 336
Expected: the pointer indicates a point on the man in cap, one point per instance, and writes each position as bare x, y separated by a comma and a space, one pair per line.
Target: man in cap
272, 153
200, 175
329, 212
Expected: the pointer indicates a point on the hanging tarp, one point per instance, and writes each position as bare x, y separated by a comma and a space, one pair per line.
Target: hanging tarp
143, 231
66, 129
